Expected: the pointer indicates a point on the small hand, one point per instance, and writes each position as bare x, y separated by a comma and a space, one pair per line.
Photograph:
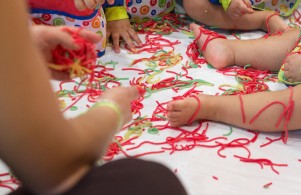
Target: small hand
90, 4
47, 38
122, 28
238, 8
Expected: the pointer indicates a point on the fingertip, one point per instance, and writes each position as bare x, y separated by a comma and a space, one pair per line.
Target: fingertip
91, 36
134, 92
116, 46
91, 4
138, 41
131, 46
141, 90
192, 26
75, 46
195, 29
67, 41
117, 50
169, 106
250, 11
80, 5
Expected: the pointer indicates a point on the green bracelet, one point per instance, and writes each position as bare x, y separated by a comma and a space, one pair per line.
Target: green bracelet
114, 106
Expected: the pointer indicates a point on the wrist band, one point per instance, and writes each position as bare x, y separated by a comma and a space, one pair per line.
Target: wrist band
114, 106
116, 13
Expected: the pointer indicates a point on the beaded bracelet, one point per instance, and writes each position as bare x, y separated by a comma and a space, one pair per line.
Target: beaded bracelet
114, 106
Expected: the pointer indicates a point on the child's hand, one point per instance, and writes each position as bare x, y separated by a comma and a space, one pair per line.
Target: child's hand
48, 37
122, 28
238, 8
90, 4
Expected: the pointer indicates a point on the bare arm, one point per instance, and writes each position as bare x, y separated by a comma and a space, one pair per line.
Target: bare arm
47, 153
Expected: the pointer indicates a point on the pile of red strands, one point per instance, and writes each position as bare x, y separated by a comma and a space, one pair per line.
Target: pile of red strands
85, 56
252, 80
153, 43
9, 181
165, 25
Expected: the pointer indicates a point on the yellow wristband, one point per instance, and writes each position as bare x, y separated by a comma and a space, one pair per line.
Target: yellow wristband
114, 106
116, 13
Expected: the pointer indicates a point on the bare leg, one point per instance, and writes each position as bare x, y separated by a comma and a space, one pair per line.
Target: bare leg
265, 53
227, 109
214, 15
292, 68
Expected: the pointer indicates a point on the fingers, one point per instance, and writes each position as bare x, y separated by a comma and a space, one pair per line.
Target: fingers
133, 92
135, 36
246, 10
90, 36
80, 5
115, 38
194, 26
91, 4
108, 34
248, 4
61, 36
245, 7
239, 8
57, 36
126, 37
195, 29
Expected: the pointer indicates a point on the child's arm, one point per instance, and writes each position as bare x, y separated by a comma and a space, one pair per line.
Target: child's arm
237, 8
48, 153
